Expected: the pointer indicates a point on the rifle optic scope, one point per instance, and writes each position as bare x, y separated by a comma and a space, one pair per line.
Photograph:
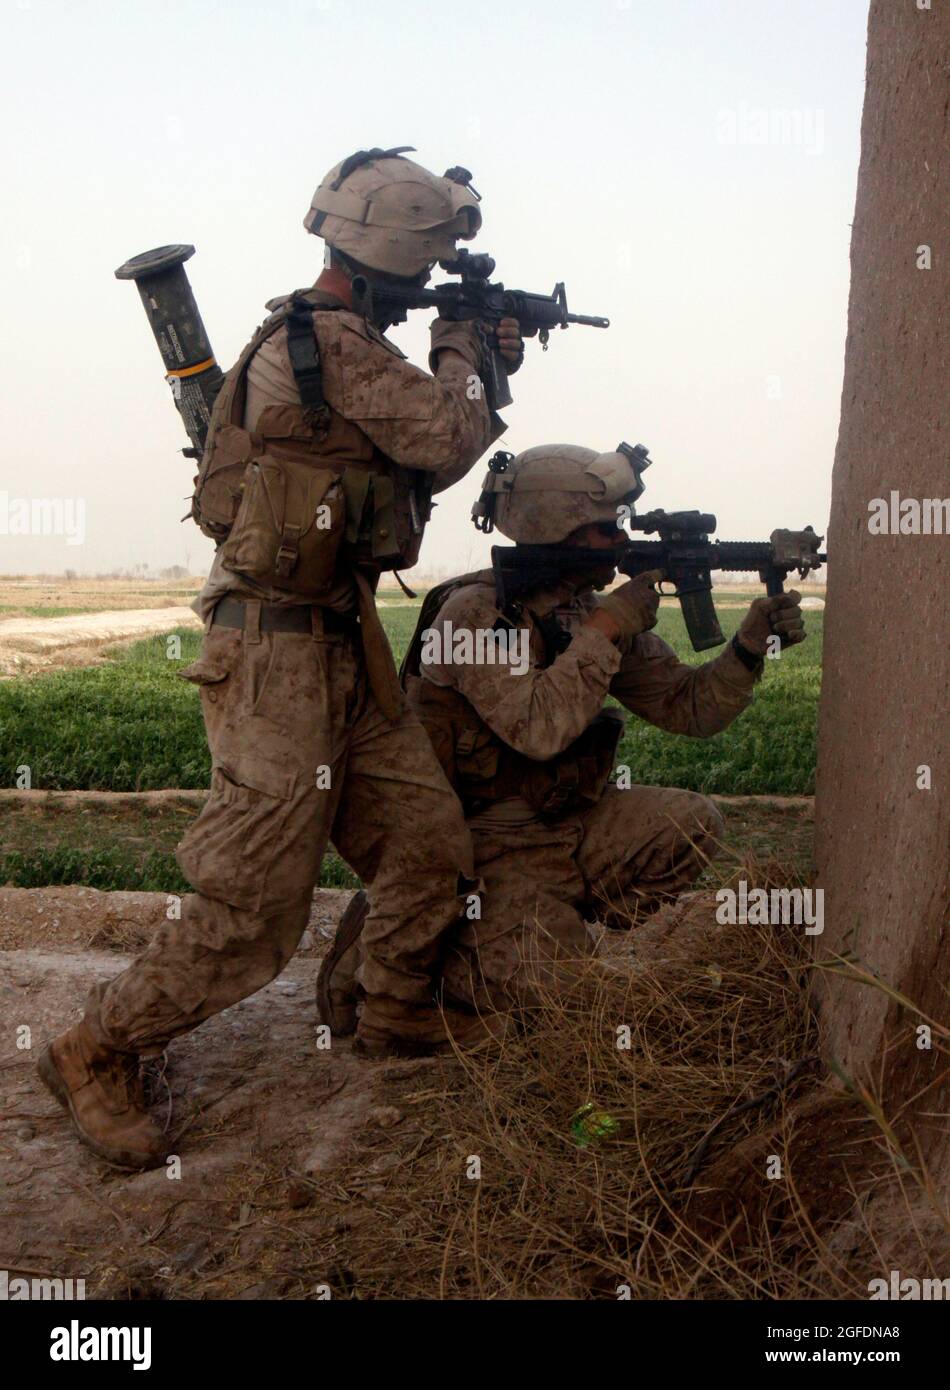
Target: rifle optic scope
685, 523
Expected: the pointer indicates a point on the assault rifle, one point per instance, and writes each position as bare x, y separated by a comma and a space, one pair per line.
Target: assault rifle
684, 553
474, 297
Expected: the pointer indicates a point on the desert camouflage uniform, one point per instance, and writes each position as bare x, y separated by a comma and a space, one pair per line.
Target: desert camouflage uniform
545, 877
283, 708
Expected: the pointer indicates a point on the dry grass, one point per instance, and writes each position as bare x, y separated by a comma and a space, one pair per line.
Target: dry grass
720, 1035
723, 1051
721, 1071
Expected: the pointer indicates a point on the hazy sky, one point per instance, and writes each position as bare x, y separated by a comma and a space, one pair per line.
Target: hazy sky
687, 167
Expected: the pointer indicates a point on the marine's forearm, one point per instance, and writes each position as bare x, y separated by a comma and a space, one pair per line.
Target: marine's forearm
542, 711
697, 701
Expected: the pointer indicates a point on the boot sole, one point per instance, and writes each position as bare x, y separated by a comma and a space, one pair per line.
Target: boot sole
406, 1050
119, 1158
380, 1045
409, 1050
341, 1020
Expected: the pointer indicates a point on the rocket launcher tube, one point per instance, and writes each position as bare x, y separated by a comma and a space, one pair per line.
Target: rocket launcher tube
190, 366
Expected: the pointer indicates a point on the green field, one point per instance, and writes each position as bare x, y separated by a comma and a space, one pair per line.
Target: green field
131, 846
109, 847
132, 725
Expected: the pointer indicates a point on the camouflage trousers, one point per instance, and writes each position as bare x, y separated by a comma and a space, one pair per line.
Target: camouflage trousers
301, 754
545, 882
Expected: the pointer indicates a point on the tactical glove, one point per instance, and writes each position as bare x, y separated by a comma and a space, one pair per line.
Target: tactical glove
633, 607
779, 616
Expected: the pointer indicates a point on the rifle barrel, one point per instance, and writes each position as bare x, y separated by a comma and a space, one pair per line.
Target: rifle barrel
735, 556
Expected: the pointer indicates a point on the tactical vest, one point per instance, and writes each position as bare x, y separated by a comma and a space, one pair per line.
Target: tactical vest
307, 490
481, 767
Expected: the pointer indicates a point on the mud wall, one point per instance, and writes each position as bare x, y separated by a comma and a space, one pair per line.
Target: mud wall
882, 807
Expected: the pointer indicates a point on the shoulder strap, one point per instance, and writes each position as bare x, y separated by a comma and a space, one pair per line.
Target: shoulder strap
304, 354
297, 313
429, 611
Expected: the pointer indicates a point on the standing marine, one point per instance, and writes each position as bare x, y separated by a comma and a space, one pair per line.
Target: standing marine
325, 448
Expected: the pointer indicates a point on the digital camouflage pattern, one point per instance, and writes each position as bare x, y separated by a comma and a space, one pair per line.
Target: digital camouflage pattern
545, 878
380, 405
301, 755
311, 739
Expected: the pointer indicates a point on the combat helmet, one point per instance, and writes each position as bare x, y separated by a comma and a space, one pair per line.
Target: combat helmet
391, 214
545, 493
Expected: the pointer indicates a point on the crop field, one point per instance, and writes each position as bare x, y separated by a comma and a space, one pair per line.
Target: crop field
129, 724
132, 725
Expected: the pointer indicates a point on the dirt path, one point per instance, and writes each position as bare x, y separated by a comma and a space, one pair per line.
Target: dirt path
31, 644
289, 1151
73, 917
38, 799
257, 1113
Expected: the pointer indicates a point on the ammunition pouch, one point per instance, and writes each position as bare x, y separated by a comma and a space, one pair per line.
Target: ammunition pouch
574, 780
289, 525
483, 769
308, 489
386, 511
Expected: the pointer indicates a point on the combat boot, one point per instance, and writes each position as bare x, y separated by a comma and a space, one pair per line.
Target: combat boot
391, 1028
336, 1000
101, 1090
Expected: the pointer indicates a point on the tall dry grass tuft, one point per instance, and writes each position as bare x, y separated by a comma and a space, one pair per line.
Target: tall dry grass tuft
591, 1128
673, 1067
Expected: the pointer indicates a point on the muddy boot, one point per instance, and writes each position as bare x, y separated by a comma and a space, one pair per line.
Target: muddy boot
101, 1091
336, 1000
390, 1028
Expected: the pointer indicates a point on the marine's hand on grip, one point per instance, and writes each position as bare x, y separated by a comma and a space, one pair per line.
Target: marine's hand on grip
779, 616
630, 609
510, 343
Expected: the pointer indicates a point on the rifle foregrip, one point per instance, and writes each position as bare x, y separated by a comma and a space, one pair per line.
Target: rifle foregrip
699, 615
